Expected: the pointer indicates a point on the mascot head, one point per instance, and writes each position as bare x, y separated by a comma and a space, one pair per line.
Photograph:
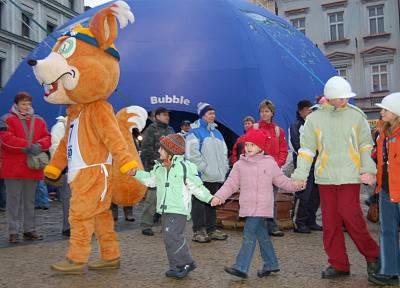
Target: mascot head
83, 65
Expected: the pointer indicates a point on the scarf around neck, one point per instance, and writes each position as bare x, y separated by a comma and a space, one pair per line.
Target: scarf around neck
14, 109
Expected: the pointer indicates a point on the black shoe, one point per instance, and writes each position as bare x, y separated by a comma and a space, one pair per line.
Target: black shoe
331, 273
373, 267
148, 232
176, 273
276, 233
302, 229
315, 227
264, 273
235, 272
189, 267
384, 280
181, 272
129, 218
67, 232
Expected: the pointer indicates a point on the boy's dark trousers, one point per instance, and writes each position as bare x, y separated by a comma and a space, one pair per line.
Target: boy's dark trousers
173, 228
307, 203
203, 214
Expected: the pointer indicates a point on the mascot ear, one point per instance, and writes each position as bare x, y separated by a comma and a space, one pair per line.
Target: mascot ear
104, 23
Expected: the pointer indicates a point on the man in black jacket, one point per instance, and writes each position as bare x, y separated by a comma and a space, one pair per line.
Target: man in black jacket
307, 201
150, 146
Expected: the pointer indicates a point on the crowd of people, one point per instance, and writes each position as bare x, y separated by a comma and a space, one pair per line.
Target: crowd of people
190, 173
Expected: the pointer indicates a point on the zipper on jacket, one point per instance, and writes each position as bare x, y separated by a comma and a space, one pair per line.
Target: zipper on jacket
163, 206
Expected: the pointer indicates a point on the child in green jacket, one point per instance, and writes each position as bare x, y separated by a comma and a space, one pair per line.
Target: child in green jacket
176, 181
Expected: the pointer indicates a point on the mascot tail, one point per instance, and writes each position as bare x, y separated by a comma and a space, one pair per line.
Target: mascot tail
126, 190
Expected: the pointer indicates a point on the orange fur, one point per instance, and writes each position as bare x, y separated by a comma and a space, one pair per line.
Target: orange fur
93, 75
134, 189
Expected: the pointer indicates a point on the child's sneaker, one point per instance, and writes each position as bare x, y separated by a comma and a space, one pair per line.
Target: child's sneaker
235, 272
189, 267
265, 273
181, 272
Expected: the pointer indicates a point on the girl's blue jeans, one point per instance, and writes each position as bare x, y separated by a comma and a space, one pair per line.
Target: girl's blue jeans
255, 229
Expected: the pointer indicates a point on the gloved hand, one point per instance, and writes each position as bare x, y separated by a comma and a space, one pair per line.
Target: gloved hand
34, 149
52, 172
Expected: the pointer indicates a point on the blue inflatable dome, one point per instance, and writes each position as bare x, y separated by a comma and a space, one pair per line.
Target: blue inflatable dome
229, 53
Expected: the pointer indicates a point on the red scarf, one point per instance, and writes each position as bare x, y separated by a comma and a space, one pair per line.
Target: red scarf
167, 163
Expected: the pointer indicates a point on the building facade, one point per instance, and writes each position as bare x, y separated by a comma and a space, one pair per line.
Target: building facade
361, 38
20, 31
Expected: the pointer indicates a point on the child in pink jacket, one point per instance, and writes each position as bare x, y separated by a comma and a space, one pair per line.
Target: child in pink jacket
254, 174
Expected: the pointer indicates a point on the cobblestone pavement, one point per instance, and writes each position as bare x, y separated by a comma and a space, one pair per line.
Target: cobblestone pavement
144, 260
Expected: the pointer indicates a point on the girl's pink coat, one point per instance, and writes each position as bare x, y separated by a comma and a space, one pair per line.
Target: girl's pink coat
254, 177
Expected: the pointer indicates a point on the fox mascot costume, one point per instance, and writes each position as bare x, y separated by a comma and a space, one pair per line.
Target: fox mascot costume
82, 71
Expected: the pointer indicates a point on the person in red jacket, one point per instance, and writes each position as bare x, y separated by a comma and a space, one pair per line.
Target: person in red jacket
20, 180
276, 147
238, 148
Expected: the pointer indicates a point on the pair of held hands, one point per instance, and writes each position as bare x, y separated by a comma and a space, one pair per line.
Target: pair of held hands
131, 172
33, 149
366, 178
300, 185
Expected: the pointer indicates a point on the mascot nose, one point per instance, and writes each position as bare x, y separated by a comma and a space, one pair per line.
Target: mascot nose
32, 62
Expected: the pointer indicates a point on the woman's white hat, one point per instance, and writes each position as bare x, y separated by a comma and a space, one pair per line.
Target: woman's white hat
391, 103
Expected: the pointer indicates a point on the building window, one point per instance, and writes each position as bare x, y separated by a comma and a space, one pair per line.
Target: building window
299, 24
379, 74
71, 4
376, 20
25, 25
342, 72
336, 26
50, 27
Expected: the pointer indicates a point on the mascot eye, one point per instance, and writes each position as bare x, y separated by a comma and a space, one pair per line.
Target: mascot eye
67, 47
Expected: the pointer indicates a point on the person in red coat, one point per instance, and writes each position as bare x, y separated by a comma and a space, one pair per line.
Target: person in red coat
276, 147
238, 148
20, 180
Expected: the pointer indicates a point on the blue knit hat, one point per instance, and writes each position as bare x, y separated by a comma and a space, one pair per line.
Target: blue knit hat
203, 108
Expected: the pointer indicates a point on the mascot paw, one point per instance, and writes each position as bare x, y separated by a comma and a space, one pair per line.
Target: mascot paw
52, 172
129, 166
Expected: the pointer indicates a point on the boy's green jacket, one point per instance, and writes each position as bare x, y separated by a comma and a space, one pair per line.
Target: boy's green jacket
173, 196
343, 140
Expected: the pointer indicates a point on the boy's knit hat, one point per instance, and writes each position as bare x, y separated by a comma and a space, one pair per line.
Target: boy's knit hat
257, 137
174, 144
203, 108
